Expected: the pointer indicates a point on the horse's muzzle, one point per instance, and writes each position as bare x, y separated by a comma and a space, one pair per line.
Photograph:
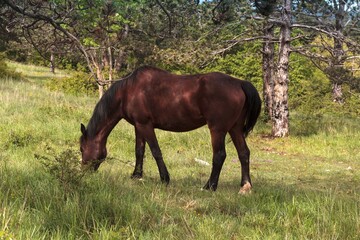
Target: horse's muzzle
96, 165
92, 165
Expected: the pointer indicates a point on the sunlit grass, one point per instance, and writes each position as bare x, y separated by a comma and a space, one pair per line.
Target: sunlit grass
305, 187
36, 73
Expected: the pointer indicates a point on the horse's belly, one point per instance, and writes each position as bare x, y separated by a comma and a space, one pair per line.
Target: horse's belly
178, 123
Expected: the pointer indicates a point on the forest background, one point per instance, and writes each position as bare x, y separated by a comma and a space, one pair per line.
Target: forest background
302, 55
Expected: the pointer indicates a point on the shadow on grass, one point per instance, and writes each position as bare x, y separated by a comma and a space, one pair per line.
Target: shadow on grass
312, 124
39, 79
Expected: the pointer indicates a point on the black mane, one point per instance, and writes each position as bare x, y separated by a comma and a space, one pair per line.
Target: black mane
103, 107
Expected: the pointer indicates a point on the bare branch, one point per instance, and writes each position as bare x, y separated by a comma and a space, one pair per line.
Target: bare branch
235, 42
167, 14
57, 26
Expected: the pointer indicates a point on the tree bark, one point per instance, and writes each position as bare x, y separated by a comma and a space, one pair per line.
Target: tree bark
52, 62
338, 55
111, 64
101, 78
280, 126
268, 69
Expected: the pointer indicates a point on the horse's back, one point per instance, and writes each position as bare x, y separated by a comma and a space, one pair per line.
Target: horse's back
184, 102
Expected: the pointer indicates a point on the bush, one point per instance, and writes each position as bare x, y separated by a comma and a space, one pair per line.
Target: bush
78, 84
64, 167
245, 64
5, 72
19, 139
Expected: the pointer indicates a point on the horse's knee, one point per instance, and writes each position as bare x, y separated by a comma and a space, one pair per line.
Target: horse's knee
220, 155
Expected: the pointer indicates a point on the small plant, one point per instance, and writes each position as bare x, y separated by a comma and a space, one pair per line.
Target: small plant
19, 139
4, 235
64, 167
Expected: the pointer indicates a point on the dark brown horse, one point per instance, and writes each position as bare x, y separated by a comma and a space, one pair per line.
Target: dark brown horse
152, 98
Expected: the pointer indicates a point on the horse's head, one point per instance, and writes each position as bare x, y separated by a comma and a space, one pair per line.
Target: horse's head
93, 151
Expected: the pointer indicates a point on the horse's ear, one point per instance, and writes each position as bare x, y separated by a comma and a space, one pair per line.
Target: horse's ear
83, 129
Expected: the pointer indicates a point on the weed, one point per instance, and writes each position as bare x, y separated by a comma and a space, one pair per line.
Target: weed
64, 167
19, 139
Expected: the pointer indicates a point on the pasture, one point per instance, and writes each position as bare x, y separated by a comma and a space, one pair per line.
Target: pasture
304, 186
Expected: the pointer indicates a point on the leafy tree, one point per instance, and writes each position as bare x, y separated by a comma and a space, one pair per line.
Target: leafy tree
336, 26
306, 19
96, 28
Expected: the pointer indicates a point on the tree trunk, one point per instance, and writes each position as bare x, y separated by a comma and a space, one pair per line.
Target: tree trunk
52, 62
111, 65
101, 79
338, 55
101, 90
268, 69
280, 105
337, 93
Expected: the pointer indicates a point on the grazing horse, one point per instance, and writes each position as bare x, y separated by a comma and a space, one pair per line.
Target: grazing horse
153, 98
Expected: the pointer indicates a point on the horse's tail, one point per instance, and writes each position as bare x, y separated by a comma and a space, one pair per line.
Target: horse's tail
252, 106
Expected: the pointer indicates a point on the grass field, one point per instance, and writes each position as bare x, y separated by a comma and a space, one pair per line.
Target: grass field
305, 186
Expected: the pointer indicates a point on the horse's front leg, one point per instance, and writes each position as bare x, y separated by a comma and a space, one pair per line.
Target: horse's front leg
148, 133
139, 154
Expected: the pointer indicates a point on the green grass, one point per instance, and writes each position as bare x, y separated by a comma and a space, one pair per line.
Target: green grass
305, 186
35, 73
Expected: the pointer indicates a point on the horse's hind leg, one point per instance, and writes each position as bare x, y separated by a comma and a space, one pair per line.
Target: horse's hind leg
243, 151
219, 155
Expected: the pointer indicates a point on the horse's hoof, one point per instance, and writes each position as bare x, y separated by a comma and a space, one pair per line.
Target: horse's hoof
137, 177
246, 189
165, 180
209, 188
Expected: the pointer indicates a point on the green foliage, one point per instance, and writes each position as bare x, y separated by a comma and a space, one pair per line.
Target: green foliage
89, 42
342, 76
5, 72
63, 167
308, 87
4, 235
310, 98
19, 139
78, 84
244, 64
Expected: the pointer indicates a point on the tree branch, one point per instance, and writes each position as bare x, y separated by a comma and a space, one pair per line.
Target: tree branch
167, 14
56, 26
235, 42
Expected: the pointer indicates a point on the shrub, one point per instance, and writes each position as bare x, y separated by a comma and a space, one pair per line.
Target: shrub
78, 84
63, 167
19, 139
5, 72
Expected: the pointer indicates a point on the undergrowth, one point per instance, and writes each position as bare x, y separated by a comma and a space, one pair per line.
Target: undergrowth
6, 72
77, 84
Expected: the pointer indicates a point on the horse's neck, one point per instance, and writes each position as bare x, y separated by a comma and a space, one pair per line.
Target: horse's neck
107, 124
105, 131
